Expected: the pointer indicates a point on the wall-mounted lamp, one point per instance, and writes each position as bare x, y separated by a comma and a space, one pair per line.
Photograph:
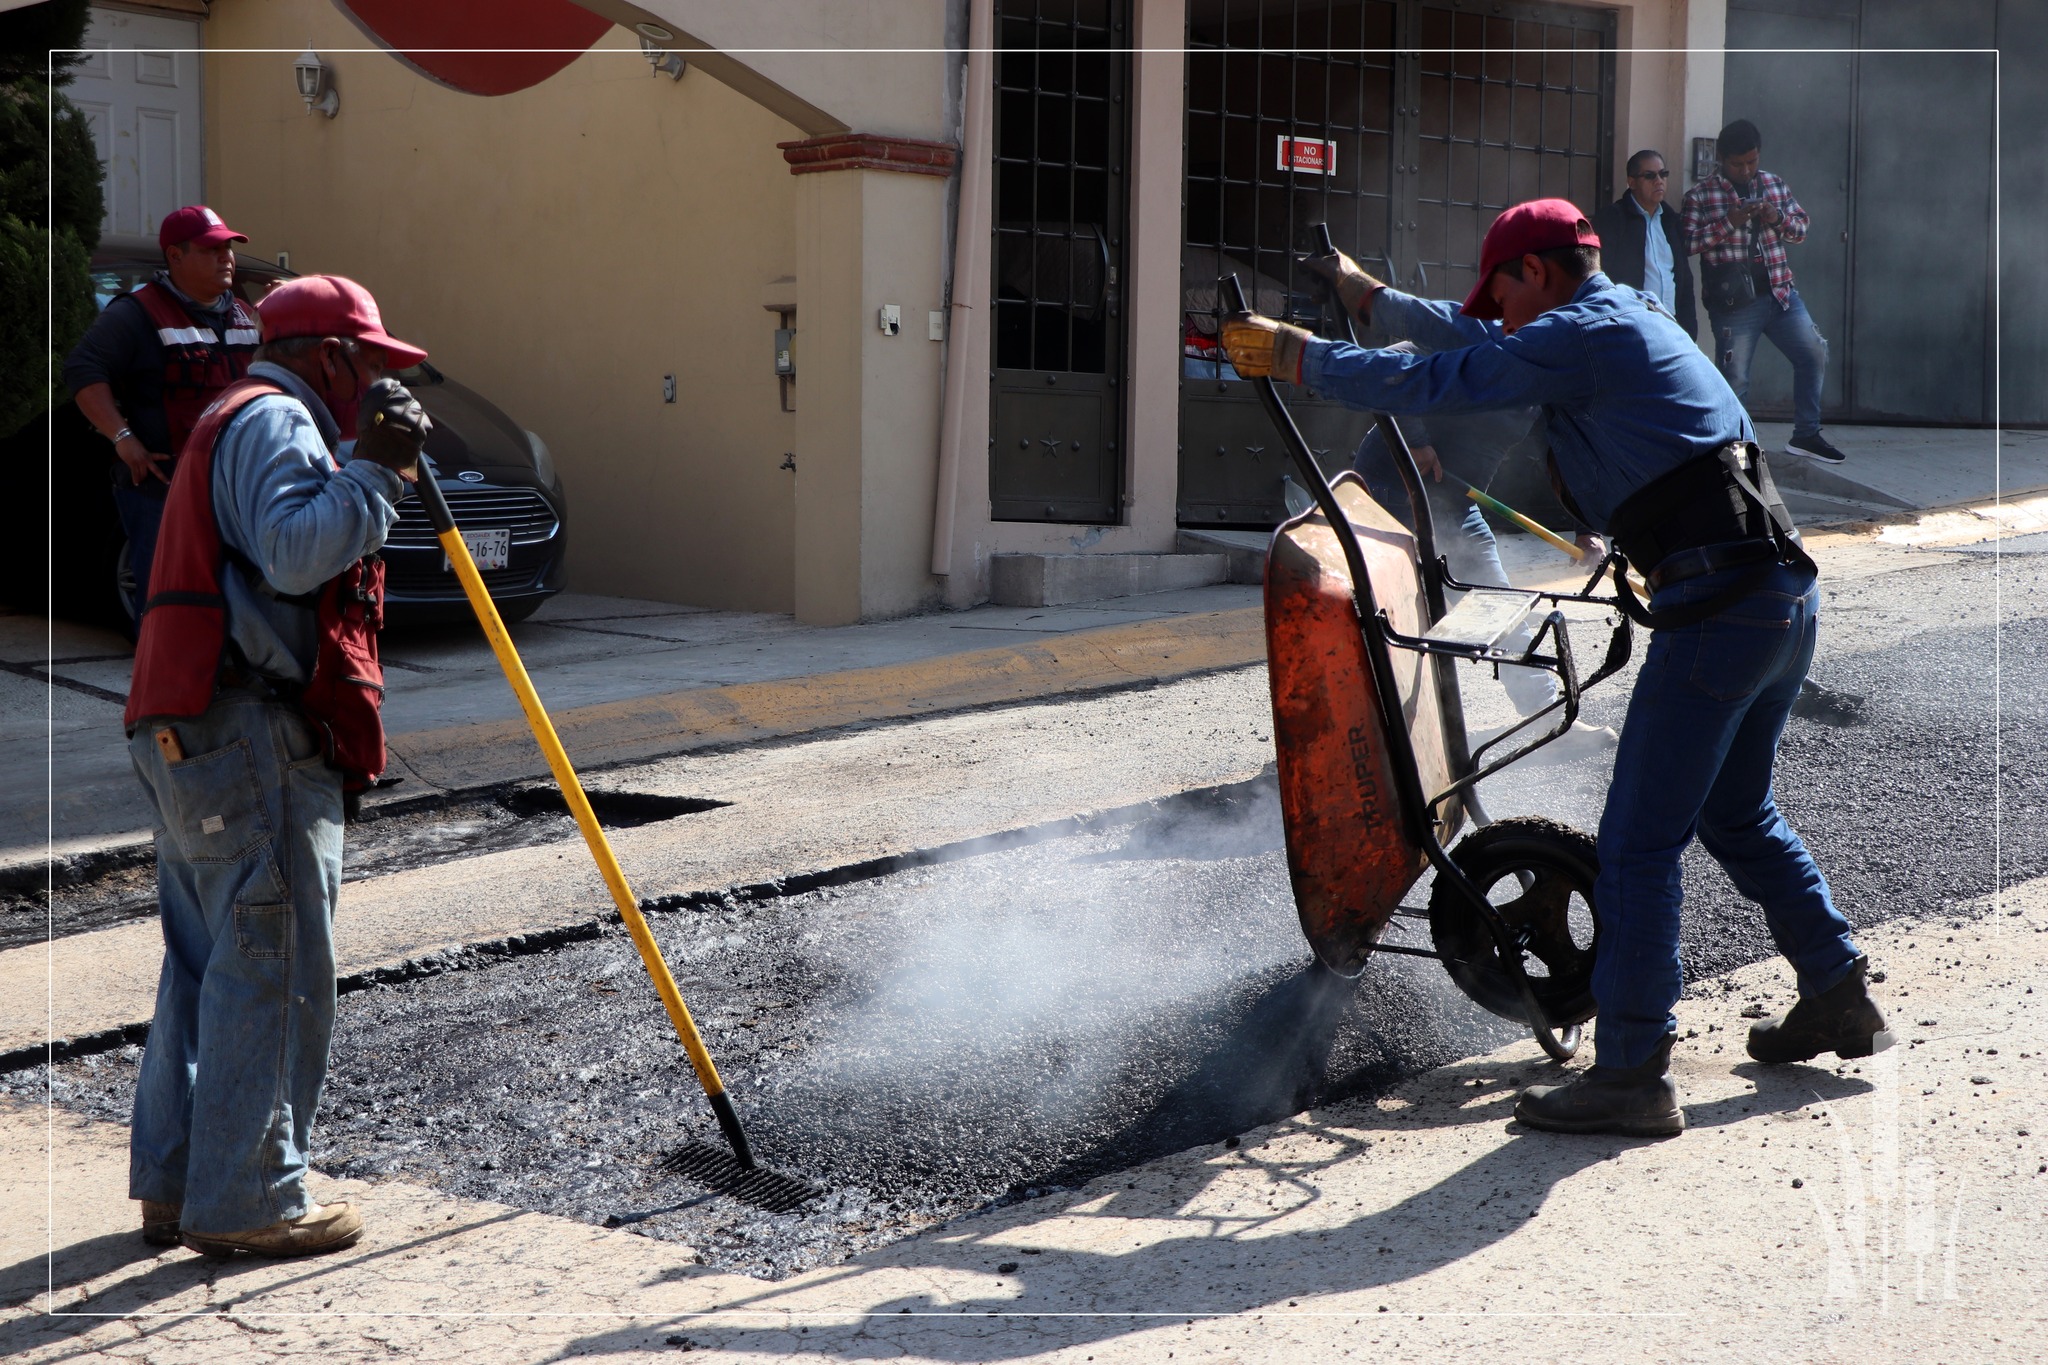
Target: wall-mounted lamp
664, 62
316, 84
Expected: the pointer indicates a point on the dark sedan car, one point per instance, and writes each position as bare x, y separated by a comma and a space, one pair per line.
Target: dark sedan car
499, 479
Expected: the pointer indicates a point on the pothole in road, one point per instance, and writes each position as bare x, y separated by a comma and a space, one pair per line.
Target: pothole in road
904, 1050
100, 890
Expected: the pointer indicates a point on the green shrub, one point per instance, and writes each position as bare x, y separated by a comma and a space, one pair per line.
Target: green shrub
50, 209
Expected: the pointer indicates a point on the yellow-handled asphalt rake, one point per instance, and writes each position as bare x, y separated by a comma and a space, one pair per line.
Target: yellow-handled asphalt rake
457, 550
1544, 533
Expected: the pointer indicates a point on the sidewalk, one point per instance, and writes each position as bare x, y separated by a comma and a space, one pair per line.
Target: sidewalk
626, 680
1901, 469
1886, 1210
622, 679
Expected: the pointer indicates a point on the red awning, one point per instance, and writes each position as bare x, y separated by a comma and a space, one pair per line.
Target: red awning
543, 37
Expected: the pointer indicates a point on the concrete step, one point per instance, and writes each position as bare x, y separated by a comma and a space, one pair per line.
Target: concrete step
1246, 549
1051, 580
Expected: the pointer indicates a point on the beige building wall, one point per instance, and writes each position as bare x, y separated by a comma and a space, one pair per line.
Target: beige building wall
559, 250
1668, 89
563, 248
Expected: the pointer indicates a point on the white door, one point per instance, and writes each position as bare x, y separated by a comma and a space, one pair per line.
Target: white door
140, 93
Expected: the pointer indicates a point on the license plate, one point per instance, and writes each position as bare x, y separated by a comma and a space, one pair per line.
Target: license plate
490, 549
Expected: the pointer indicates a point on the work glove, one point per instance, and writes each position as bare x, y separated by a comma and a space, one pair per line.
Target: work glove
1354, 287
391, 428
1259, 347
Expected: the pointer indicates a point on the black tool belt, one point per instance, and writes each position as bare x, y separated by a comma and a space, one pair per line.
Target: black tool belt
1719, 511
1708, 559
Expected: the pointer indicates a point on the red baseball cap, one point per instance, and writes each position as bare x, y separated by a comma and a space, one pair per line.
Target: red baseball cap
331, 306
195, 223
1539, 225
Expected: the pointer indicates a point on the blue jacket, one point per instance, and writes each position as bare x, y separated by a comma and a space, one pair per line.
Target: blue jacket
1624, 240
283, 503
1626, 395
1470, 445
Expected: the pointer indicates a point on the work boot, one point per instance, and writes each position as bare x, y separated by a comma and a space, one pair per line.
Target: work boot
1637, 1101
1842, 1019
159, 1223
323, 1227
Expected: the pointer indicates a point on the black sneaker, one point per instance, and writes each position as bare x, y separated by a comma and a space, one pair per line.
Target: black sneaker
1814, 447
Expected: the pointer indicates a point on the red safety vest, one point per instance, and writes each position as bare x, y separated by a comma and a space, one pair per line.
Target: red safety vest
198, 362
183, 638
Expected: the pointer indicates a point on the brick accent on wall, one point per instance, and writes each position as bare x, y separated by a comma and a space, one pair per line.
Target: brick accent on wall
869, 152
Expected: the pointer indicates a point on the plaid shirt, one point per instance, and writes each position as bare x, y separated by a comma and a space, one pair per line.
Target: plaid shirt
1708, 232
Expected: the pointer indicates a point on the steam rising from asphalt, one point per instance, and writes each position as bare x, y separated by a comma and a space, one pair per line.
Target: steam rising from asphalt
1147, 992
1063, 958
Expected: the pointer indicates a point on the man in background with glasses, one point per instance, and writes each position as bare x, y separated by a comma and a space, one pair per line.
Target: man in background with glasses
1642, 242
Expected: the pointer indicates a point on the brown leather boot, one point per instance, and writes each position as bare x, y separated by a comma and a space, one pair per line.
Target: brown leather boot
159, 1223
1842, 1019
323, 1227
1636, 1101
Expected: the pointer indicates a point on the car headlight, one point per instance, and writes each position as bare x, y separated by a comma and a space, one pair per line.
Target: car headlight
543, 463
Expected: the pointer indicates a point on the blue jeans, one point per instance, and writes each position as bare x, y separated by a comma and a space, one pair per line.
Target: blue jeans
141, 509
1695, 757
248, 852
1791, 330
1466, 542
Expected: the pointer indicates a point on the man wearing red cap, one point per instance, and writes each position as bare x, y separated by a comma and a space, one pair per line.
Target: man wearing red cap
1652, 446
266, 578
153, 360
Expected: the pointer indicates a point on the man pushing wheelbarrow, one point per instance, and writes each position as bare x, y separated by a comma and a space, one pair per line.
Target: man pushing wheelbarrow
1651, 447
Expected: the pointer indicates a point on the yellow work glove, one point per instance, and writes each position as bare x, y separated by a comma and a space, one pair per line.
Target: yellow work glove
1355, 288
1259, 347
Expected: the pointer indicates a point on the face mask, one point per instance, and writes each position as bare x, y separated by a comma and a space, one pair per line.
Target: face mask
342, 406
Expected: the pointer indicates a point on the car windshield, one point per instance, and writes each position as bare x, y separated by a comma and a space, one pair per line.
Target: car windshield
111, 278
253, 279
118, 277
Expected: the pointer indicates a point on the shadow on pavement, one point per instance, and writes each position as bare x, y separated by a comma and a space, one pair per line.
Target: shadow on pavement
176, 1273
29, 1279
1221, 1272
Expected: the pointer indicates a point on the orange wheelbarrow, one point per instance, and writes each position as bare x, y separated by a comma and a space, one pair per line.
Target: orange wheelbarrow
1376, 776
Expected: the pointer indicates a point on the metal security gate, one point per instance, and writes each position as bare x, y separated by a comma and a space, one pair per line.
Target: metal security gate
1055, 453
1385, 119
1512, 102
1839, 125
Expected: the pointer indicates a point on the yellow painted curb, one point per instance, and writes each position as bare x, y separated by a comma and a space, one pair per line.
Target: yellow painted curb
647, 727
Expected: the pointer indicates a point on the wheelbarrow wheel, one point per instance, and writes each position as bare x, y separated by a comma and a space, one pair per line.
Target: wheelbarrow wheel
1538, 875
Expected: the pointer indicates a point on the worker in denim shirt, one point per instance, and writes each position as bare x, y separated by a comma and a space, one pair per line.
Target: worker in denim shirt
1453, 451
249, 812
1628, 399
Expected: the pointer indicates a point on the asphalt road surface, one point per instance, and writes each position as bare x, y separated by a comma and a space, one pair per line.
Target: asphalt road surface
927, 1044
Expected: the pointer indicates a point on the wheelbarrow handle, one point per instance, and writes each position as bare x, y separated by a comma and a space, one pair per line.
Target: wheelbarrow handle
1312, 477
1407, 775
1329, 248
1404, 463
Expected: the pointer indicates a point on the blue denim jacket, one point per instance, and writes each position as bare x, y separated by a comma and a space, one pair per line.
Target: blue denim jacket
284, 504
1470, 445
1626, 394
